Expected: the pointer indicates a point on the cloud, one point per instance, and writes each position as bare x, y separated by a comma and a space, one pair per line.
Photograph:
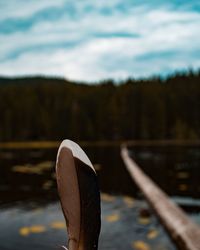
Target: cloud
92, 40
24, 9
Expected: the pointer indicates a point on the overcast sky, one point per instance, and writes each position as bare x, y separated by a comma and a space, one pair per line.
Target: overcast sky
92, 40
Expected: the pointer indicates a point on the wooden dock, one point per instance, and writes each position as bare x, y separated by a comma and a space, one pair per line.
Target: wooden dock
184, 232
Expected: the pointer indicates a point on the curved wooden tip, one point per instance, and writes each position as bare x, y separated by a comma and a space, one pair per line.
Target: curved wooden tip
79, 196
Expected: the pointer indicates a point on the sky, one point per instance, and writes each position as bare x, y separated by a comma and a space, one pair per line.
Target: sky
88, 40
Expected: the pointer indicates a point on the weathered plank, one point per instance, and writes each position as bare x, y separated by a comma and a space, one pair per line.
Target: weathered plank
184, 232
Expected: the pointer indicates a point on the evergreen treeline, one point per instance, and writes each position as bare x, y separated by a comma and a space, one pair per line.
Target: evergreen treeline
39, 108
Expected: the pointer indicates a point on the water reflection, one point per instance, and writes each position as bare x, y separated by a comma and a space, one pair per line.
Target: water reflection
29, 174
43, 228
31, 215
175, 169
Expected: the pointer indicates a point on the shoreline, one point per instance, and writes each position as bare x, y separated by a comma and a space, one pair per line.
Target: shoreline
104, 143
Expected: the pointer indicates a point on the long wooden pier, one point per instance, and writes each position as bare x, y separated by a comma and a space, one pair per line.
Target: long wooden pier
184, 232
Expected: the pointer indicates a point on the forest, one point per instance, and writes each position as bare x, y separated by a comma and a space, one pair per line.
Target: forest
47, 108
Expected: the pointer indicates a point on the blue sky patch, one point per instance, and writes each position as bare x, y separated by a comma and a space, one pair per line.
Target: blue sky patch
93, 40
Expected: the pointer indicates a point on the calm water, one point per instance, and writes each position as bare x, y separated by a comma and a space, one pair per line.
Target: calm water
30, 212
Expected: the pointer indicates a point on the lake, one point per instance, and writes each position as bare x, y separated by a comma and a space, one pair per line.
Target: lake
30, 214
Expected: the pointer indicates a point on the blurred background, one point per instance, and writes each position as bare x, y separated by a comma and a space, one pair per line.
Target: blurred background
99, 73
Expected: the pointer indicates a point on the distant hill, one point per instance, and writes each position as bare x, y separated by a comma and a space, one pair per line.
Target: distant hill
31, 80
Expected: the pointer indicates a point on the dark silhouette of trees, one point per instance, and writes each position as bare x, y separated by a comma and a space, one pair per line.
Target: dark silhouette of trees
39, 108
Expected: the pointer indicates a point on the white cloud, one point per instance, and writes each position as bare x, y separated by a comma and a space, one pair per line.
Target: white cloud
162, 40
24, 8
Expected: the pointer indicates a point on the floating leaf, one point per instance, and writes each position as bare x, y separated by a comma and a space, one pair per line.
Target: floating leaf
183, 187
25, 169
45, 165
182, 175
129, 201
33, 169
153, 233
47, 184
37, 229
144, 220
37, 211
140, 245
24, 231
58, 225
107, 197
112, 217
